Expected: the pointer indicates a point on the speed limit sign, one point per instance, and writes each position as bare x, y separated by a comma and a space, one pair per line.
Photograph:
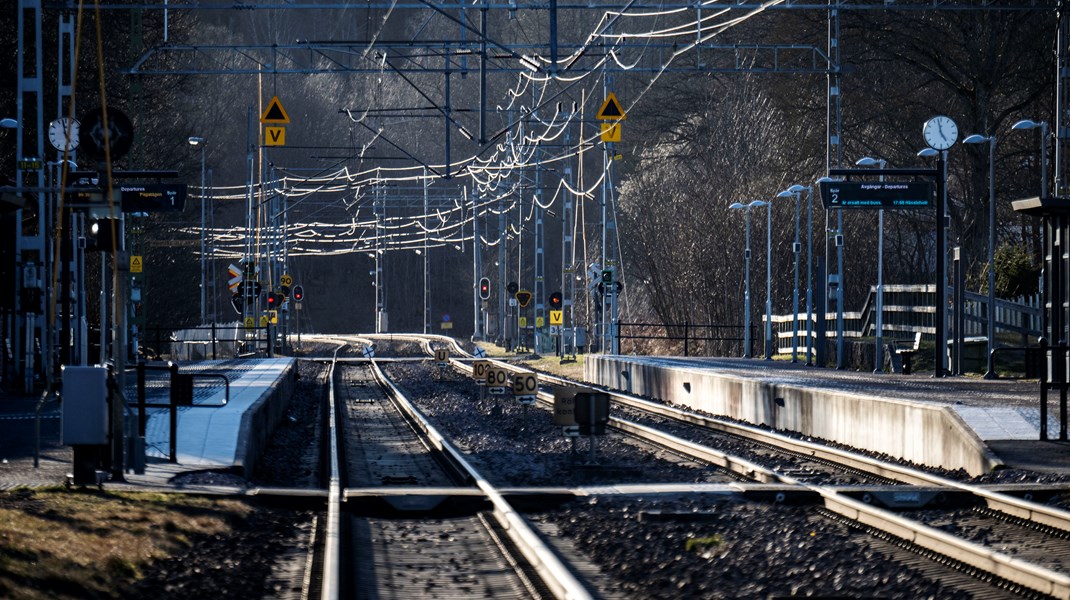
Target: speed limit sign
497, 380
479, 371
525, 387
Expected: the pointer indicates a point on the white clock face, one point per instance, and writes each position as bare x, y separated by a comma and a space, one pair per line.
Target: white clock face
63, 134
940, 132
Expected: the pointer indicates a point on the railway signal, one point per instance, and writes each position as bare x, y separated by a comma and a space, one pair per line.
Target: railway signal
484, 288
299, 293
555, 300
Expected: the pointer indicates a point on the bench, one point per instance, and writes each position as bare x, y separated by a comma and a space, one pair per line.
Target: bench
904, 352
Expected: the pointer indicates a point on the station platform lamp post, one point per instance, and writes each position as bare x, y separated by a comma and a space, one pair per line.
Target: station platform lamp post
796, 249
868, 161
746, 277
1025, 124
991, 140
202, 143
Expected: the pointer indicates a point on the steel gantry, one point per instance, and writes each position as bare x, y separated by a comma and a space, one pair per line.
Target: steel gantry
610, 49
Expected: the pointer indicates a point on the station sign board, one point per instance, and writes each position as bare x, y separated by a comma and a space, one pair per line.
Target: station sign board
153, 197
877, 194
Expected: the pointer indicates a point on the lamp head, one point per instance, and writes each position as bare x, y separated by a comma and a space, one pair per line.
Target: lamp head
759, 203
869, 161
928, 152
795, 189
975, 139
736, 205
1026, 124
196, 141
8, 123
826, 180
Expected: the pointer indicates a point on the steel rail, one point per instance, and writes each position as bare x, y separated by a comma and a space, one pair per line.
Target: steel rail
996, 563
998, 501
329, 588
554, 574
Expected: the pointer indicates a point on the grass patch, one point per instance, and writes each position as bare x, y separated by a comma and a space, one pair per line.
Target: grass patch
550, 363
703, 544
56, 543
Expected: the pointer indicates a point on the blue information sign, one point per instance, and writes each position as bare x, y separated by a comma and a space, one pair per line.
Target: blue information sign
882, 194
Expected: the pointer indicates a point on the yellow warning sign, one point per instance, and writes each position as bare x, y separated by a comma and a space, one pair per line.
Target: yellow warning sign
263, 321
286, 280
611, 132
274, 136
136, 264
540, 321
522, 321
611, 110
274, 113
557, 317
273, 316
250, 322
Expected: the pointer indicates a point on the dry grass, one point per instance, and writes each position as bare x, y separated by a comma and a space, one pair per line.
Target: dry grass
56, 543
549, 363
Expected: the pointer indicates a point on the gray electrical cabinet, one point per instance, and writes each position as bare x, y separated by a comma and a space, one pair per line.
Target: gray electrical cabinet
85, 406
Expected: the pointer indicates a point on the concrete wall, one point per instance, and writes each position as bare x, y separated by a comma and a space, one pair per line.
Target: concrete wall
927, 434
259, 421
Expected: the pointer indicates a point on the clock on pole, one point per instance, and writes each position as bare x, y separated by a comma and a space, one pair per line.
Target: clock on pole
940, 132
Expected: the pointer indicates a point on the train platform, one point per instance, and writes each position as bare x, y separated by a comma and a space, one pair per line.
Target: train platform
235, 405
953, 422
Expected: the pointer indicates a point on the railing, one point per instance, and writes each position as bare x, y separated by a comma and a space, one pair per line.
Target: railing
181, 394
717, 340
204, 342
909, 309
1017, 362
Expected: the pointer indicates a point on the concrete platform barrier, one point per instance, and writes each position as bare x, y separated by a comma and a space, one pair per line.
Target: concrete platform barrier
259, 421
929, 434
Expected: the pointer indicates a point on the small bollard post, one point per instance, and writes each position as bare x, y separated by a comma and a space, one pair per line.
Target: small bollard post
1044, 390
141, 416
173, 458
1061, 356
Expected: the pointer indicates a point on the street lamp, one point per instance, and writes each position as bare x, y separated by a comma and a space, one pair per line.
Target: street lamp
746, 285
809, 268
1043, 125
991, 139
9, 123
796, 248
940, 355
867, 161
202, 143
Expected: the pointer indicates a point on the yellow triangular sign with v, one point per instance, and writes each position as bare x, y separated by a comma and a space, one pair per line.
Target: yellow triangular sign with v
275, 113
611, 109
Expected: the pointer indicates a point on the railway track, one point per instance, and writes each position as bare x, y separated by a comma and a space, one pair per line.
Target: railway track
1017, 544
390, 470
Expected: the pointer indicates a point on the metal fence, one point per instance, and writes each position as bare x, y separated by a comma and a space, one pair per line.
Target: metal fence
909, 309
213, 341
689, 339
